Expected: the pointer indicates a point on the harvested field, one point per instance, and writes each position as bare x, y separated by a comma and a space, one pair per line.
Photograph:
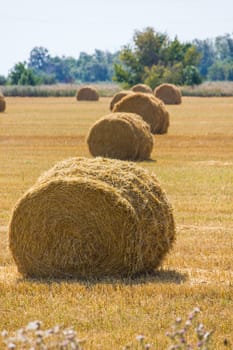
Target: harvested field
193, 163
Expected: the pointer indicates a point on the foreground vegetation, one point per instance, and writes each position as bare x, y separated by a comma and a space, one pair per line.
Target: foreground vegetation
194, 165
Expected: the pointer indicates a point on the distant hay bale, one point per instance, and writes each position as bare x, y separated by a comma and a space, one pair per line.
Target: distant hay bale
150, 108
142, 88
89, 218
87, 93
118, 96
168, 93
124, 136
2, 103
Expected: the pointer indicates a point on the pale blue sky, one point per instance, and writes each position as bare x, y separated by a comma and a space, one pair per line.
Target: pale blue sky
68, 27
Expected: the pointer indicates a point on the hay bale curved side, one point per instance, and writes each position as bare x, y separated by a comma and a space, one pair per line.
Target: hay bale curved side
2, 103
151, 109
154, 234
72, 228
168, 93
122, 136
118, 96
142, 88
87, 93
91, 218
143, 134
113, 137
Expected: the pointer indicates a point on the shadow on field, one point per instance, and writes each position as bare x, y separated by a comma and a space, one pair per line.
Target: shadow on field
160, 276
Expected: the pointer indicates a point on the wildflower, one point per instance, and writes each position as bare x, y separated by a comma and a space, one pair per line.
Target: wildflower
140, 338
4, 333
33, 326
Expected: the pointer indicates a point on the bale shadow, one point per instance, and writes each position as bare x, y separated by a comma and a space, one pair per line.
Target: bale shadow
150, 160
159, 276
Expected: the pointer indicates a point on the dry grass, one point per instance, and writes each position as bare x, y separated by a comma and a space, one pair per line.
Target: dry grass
194, 163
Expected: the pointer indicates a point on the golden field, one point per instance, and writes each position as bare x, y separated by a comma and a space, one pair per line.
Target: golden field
194, 164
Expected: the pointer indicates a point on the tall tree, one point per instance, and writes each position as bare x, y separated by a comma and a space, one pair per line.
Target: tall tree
154, 58
22, 75
207, 51
39, 58
148, 46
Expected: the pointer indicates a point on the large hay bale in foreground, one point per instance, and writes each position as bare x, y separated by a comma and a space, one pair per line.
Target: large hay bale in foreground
168, 93
87, 93
124, 136
150, 108
2, 103
118, 96
91, 218
142, 88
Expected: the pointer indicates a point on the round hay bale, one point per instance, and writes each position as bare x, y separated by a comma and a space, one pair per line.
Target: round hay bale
168, 93
2, 103
122, 136
150, 108
118, 96
142, 88
91, 218
87, 93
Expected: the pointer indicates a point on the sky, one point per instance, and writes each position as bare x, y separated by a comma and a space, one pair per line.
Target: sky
68, 27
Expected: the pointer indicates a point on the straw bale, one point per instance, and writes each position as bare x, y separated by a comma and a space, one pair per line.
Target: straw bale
91, 218
142, 88
150, 108
168, 93
118, 96
122, 136
87, 93
2, 103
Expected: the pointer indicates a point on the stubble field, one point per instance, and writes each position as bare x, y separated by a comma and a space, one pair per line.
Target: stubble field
194, 164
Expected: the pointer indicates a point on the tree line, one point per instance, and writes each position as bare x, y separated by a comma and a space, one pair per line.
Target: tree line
151, 58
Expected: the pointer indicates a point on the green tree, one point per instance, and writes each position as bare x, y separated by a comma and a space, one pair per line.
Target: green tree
174, 74
39, 59
21, 75
224, 47
146, 51
3, 80
154, 75
207, 53
153, 59
192, 57
96, 67
174, 52
221, 70
149, 46
191, 76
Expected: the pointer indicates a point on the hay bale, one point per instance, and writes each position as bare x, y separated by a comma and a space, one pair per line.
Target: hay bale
122, 136
142, 88
2, 103
151, 109
118, 96
168, 93
87, 93
91, 218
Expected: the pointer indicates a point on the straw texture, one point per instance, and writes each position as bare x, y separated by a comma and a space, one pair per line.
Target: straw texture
150, 108
2, 103
118, 96
168, 93
124, 136
91, 218
87, 93
142, 88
